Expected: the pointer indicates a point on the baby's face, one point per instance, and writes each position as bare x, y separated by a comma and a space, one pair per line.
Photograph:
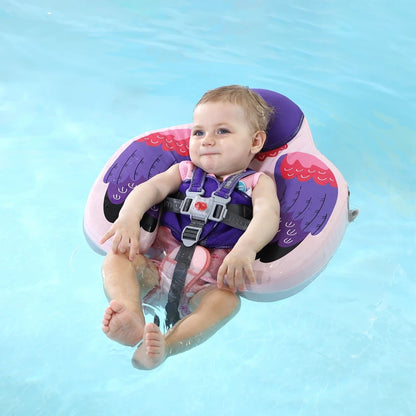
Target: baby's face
222, 140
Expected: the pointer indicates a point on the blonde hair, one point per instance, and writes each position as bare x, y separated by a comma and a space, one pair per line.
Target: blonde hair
256, 109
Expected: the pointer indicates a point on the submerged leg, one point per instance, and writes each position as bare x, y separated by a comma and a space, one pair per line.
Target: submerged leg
125, 282
216, 307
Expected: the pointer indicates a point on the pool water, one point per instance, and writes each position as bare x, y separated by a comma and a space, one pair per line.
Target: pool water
78, 79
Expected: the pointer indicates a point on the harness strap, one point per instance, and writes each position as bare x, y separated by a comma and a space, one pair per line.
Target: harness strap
197, 181
215, 209
183, 259
237, 216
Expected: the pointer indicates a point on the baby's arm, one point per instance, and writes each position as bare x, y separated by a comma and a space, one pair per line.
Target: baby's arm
126, 229
261, 230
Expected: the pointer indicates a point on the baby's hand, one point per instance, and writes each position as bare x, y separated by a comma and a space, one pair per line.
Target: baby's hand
126, 235
237, 266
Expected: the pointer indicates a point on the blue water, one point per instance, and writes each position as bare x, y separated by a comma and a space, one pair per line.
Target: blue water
78, 79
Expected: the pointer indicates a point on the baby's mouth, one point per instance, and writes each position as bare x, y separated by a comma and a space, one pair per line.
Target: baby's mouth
209, 153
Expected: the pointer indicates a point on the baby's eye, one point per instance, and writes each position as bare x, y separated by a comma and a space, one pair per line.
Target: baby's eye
222, 131
198, 133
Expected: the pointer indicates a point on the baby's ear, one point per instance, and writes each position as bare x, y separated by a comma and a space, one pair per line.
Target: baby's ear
258, 141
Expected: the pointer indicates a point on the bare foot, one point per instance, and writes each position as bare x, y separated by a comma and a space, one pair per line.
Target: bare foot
122, 325
152, 352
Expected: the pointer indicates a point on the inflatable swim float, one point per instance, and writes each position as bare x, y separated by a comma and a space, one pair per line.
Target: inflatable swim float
313, 195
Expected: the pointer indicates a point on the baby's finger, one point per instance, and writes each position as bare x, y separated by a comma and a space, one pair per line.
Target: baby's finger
134, 249
116, 243
231, 279
107, 236
220, 276
124, 244
239, 281
250, 274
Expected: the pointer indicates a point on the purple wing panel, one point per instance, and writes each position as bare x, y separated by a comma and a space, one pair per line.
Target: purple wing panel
141, 160
308, 192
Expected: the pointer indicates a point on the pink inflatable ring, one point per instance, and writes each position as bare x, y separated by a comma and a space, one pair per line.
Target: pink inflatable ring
312, 192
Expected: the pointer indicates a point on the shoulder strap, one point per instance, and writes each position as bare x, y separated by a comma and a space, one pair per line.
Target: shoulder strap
197, 181
225, 188
228, 185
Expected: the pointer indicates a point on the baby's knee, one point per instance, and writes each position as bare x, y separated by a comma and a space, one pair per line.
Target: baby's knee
228, 301
234, 302
113, 265
114, 259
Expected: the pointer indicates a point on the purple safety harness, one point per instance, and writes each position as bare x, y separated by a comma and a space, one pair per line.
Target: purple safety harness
196, 217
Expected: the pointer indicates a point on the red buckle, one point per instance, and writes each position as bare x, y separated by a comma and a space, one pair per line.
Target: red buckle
201, 206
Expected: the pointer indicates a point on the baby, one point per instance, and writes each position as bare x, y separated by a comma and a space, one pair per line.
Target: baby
229, 125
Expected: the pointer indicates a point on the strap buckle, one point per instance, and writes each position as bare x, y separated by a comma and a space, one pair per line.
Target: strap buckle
201, 209
191, 234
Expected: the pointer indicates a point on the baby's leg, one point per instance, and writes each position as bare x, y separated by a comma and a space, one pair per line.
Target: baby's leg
215, 308
124, 284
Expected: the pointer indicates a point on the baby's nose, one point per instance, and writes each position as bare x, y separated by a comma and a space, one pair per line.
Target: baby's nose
208, 140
